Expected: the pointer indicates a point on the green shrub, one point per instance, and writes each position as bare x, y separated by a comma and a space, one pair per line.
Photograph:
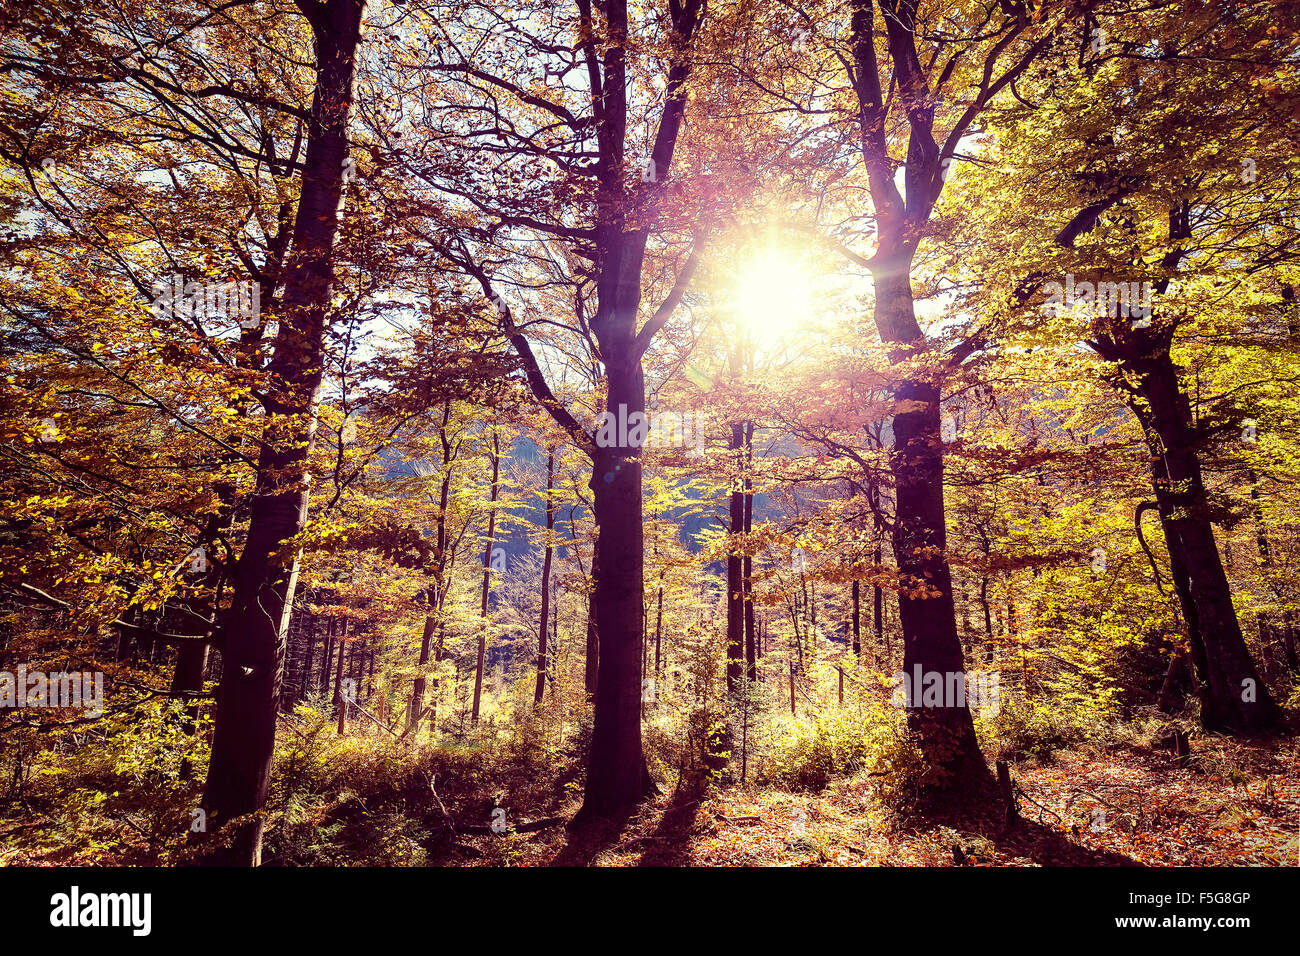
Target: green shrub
1023, 728
814, 751
117, 792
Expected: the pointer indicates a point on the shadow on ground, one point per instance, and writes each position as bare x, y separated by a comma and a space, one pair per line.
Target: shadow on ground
584, 843
1023, 838
668, 845
671, 841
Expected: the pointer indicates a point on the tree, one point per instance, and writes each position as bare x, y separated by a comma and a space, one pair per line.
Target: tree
489, 547
617, 208
266, 576
1158, 204
988, 50
543, 624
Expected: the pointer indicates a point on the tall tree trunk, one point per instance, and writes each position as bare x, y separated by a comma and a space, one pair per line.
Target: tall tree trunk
616, 771
187, 683
735, 570
327, 659
747, 563
340, 695
243, 742
857, 619
487, 576
659, 626
433, 618
988, 617
1234, 699
878, 612
311, 658
1182, 582
929, 624
616, 768
544, 622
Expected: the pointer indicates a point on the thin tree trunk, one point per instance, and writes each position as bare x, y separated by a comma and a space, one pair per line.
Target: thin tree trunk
310, 662
487, 577
340, 698
433, 618
327, 660
544, 621
988, 617
735, 569
857, 619
747, 563
659, 624
1266, 560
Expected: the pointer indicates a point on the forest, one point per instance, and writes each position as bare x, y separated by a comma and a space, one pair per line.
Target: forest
458, 433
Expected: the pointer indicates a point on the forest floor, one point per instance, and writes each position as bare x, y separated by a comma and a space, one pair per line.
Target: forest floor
1232, 804
1118, 804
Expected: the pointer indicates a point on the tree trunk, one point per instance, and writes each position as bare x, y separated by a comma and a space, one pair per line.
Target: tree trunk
1284, 632
327, 659
187, 683
735, 569
747, 563
1233, 699
433, 619
857, 619
988, 617
253, 653
416, 707
487, 577
616, 771
591, 660
659, 626
616, 776
946, 734
340, 696
544, 623
878, 612
1169, 687
311, 658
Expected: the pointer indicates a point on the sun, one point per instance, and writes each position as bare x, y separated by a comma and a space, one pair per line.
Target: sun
773, 298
